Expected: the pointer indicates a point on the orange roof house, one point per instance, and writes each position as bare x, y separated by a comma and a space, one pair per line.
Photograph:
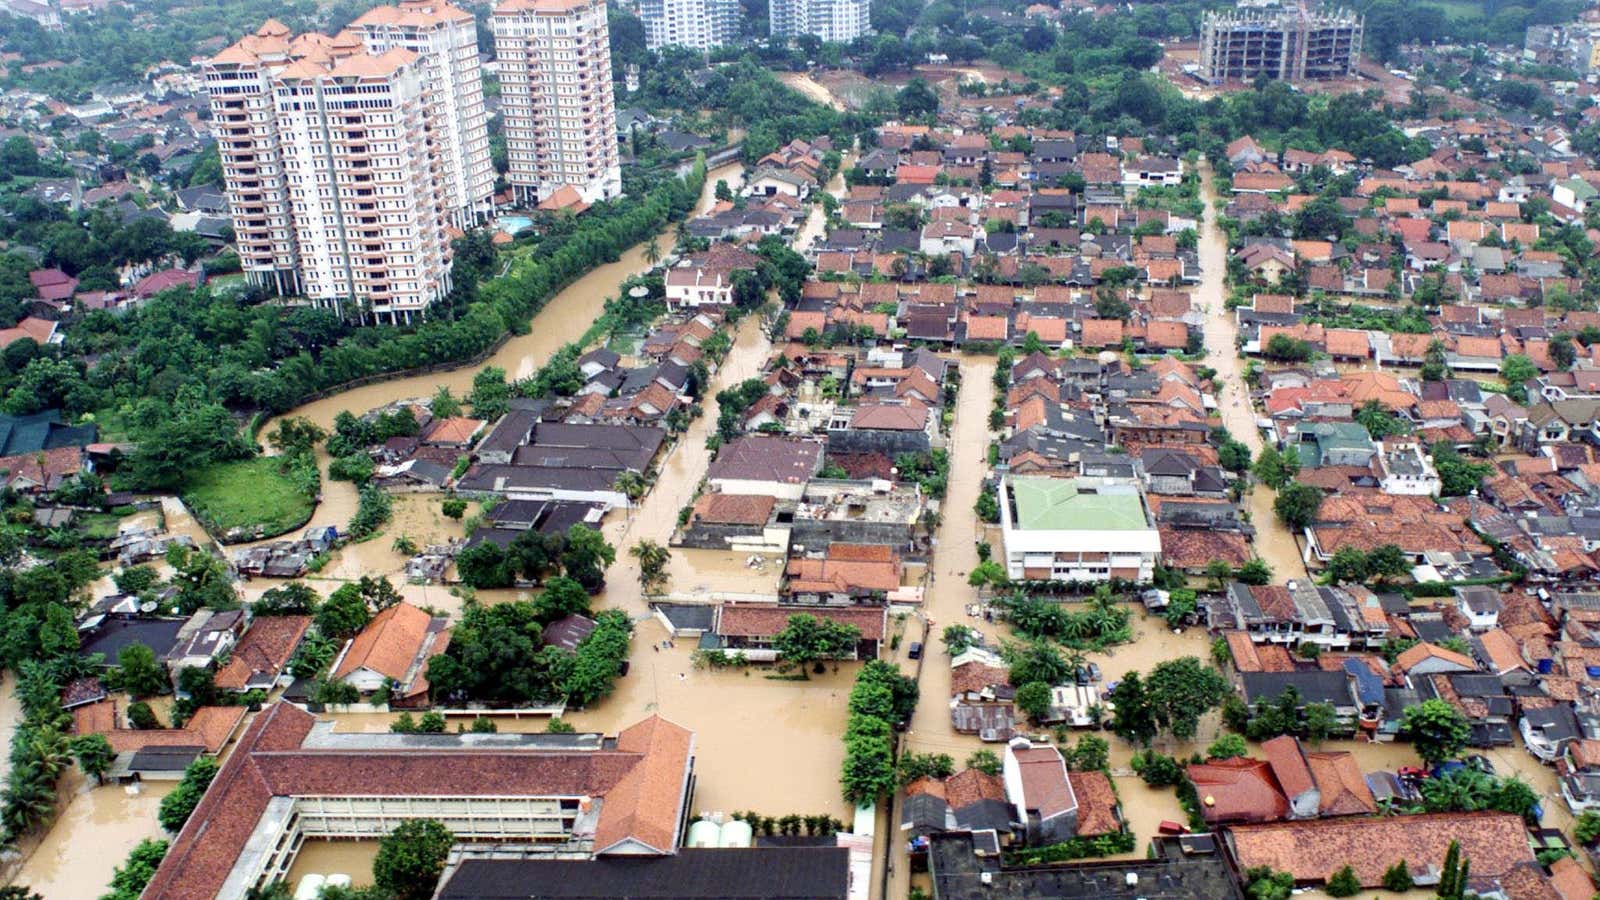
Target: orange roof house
394, 648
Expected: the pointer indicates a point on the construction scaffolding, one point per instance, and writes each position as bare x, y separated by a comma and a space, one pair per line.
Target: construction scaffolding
1293, 44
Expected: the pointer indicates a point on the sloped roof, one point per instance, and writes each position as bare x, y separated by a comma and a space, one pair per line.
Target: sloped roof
389, 643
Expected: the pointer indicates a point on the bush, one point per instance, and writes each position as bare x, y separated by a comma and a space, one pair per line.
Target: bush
1344, 883
177, 806
411, 858
454, 507
142, 717
1397, 878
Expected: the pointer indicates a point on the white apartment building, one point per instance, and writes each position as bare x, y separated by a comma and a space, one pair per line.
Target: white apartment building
839, 21
1076, 529
694, 24
346, 158
446, 38
556, 94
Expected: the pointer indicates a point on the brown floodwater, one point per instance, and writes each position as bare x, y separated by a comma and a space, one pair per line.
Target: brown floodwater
1273, 542
91, 837
327, 857
562, 320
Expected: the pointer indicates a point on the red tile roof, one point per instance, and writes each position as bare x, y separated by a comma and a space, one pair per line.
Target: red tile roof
1314, 850
641, 782
767, 619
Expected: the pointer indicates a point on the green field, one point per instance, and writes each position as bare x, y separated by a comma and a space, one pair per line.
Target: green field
252, 495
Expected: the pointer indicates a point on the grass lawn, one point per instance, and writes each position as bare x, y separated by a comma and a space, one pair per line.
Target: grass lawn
99, 526
251, 496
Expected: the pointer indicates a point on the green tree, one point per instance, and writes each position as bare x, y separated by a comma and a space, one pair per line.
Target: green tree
1033, 698
454, 507
1348, 565
984, 761
957, 638
1254, 571
1297, 504
1397, 878
1091, 754
987, 573
179, 803
587, 556
94, 755
491, 396
1434, 362
1438, 730
1219, 572
1319, 721
560, 598
1344, 883
141, 717
138, 673
653, 559
1180, 691
1516, 370
1133, 717
1275, 468
1227, 746
808, 639
344, 613
411, 858
444, 404
925, 765
1587, 829
1451, 880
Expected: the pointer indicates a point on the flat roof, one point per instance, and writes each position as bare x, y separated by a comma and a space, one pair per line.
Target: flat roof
1077, 504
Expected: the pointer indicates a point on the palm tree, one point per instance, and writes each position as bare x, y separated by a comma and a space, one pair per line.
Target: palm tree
652, 251
653, 559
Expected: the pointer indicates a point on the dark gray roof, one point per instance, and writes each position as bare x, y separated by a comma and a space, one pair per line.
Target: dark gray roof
800, 873
693, 616
41, 431
1314, 687
110, 636
957, 873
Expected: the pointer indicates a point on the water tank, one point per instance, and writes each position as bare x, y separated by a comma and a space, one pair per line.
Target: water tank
736, 834
310, 886
704, 833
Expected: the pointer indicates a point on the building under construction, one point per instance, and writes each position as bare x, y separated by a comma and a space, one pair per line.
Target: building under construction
1292, 44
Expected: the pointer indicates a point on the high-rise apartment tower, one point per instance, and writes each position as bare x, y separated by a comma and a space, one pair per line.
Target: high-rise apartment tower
348, 158
694, 24
554, 61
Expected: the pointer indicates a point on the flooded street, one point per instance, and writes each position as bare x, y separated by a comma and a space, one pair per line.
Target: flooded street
1273, 542
680, 475
91, 837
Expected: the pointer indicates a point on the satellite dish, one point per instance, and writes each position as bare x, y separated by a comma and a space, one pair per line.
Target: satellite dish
149, 606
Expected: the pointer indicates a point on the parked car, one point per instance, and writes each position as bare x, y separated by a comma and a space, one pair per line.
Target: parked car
916, 650
1480, 762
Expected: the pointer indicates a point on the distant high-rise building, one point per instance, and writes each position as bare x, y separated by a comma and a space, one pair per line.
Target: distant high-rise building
446, 38
556, 96
695, 24
1291, 44
841, 21
343, 168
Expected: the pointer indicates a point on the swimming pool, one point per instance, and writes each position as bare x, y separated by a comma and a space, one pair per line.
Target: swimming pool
513, 224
